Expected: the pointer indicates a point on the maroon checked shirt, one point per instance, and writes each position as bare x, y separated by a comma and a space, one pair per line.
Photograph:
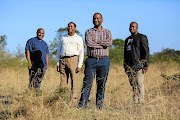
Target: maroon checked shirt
93, 38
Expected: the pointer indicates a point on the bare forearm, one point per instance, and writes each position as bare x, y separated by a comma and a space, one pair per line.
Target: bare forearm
28, 58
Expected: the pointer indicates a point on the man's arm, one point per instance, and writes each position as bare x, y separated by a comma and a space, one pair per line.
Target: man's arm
89, 41
81, 54
108, 41
145, 52
125, 50
28, 59
58, 54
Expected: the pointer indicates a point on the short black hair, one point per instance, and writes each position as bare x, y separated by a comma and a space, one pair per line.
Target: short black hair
134, 22
97, 13
39, 29
72, 23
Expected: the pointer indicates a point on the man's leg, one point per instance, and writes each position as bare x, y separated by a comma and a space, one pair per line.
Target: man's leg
101, 78
135, 94
74, 78
41, 74
31, 76
140, 86
63, 74
133, 82
89, 72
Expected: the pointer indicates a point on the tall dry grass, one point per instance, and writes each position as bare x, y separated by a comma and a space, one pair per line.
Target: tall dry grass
18, 102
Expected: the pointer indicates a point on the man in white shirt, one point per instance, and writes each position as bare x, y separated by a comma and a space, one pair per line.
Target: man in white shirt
70, 55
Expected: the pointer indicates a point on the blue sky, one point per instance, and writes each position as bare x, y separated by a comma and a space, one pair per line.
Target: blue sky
158, 19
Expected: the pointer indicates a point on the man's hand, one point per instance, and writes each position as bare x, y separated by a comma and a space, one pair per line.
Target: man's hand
145, 69
78, 70
103, 45
29, 66
58, 69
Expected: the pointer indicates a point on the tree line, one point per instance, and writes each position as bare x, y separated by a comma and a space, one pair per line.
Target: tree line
116, 53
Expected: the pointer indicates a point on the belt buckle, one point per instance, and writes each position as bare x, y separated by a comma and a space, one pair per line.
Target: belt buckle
97, 58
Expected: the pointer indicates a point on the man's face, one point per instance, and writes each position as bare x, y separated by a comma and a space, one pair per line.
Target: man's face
71, 28
133, 28
97, 20
40, 34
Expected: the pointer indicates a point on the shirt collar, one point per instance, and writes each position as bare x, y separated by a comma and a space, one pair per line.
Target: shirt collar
99, 30
133, 36
72, 36
38, 40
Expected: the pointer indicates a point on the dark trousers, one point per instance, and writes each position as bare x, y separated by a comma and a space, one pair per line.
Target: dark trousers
100, 69
36, 75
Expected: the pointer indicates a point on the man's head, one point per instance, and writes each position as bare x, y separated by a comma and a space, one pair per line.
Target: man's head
97, 20
133, 28
40, 34
71, 28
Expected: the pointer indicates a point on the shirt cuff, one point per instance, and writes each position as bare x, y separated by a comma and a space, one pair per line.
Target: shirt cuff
79, 65
57, 63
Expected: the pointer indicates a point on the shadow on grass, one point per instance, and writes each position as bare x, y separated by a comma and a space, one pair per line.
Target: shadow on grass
61, 93
7, 114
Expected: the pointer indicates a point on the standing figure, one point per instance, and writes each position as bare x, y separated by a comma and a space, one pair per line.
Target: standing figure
97, 64
36, 51
70, 55
136, 59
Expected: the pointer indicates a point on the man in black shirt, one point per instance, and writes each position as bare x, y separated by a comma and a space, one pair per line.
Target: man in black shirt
136, 59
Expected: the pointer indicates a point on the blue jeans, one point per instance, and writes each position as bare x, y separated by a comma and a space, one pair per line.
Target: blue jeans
36, 76
100, 69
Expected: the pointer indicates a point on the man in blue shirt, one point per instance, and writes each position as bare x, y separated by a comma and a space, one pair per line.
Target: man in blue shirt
37, 56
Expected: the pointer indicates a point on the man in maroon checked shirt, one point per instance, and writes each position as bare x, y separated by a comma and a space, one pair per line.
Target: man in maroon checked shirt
97, 64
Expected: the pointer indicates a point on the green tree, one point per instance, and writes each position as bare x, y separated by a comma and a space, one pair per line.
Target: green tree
54, 44
118, 43
19, 53
116, 53
166, 55
3, 42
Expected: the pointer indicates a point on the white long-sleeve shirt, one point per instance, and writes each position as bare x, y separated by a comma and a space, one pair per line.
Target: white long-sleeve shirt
70, 46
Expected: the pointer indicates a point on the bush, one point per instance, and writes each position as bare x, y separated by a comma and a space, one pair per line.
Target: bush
166, 55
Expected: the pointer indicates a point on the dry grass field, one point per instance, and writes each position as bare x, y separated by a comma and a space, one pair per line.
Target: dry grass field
162, 96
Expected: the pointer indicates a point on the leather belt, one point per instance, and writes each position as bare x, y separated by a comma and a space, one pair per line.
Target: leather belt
69, 56
98, 58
